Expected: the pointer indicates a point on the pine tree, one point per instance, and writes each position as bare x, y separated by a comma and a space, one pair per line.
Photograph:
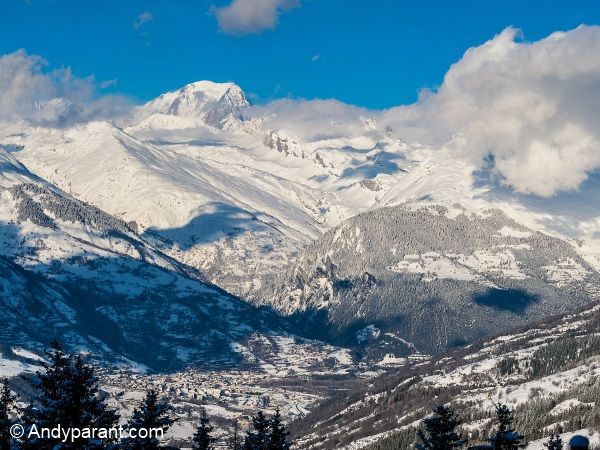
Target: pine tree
66, 396
258, 437
235, 441
439, 431
279, 434
506, 438
7, 401
88, 408
150, 417
202, 438
50, 386
554, 443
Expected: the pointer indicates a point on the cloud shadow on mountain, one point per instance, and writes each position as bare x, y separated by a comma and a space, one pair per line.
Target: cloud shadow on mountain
511, 300
222, 220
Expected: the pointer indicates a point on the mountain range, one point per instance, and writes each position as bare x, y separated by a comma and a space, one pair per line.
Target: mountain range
77, 274
201, 235
198, 220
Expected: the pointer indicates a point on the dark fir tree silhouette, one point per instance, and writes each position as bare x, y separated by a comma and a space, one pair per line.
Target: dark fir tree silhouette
67, 396
202, 438
235, 441
506, 438
152, 415
258, 436
554, 443
439, 431
7, 405
278, 439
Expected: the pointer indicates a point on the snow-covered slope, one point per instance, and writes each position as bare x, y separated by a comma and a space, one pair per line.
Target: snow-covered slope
548, 374
429, 275
73, 272
235, 203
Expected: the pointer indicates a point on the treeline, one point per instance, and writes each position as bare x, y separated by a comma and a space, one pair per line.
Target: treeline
562, 354
34, 200
67, 411
442, 431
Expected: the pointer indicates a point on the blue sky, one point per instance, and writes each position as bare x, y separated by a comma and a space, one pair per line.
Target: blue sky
376, 53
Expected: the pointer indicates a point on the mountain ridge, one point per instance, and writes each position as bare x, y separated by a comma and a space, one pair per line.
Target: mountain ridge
73, 272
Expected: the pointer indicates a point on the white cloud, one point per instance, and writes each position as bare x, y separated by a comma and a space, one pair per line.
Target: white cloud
55, 97
312, 119
242, 17
143, 18
532, 105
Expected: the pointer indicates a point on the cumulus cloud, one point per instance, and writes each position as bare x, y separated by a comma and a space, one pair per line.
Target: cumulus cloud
29, 91
243, 17
532, 105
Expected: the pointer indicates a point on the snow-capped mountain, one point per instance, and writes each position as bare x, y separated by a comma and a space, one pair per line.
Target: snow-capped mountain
427, 278
207, 183
216, 199
216, 104
73, 272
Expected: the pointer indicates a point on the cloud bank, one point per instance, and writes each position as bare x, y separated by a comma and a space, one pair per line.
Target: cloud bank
242, 17
533, 106
312, 119
28, 91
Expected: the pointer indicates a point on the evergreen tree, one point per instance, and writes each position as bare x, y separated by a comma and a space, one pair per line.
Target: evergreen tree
235, 441
66, 396
439, 431
152, 415
7, 401
554, 443
202, 438
258, 436
279, 434
506, 438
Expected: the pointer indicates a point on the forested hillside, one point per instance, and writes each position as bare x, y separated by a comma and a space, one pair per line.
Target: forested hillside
548, 374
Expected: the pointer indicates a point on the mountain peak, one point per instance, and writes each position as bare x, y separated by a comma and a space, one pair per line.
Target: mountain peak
209, 89
210, 101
